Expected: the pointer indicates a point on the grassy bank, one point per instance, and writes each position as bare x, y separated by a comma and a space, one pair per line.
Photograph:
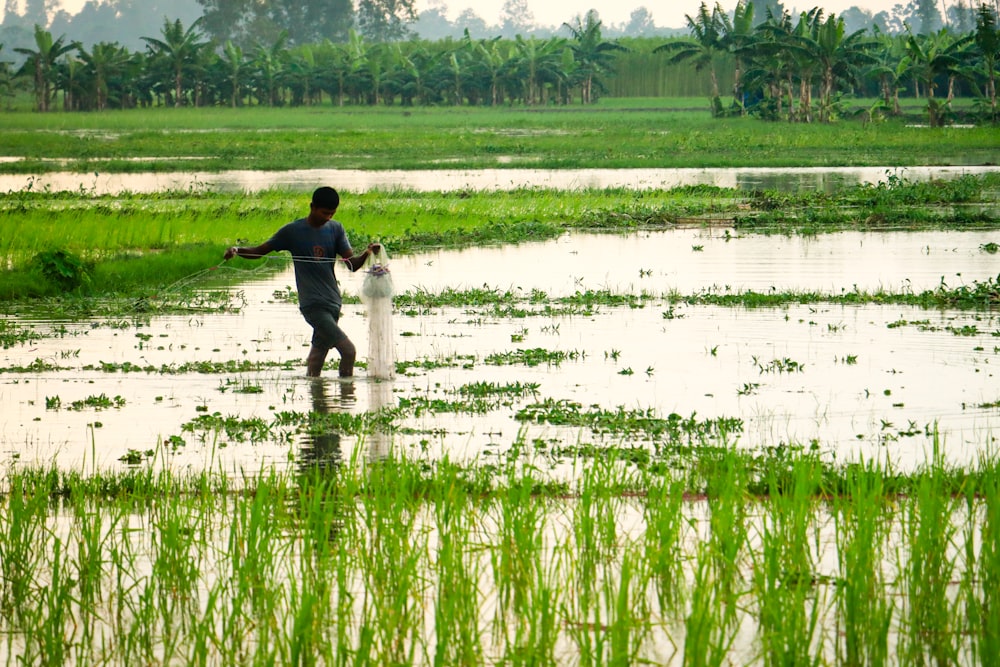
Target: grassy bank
612, 134
76, 245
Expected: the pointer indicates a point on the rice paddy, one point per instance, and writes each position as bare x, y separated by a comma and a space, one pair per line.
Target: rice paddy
729, 427
588, 464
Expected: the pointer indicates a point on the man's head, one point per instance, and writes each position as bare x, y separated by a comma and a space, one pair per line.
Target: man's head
324, 204
326, 197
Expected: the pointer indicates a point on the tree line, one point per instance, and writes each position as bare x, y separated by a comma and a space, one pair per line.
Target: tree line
798, 68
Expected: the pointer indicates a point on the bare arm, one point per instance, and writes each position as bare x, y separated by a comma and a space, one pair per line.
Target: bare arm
355, 262
255, 252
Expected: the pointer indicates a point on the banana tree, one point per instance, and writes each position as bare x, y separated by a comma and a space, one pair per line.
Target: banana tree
839, 56
373, 75
179, 51
340, 65
41, 62
270, 68
801, 45
455, 63
781, 61
736, 35
105, 62
6, 77
987, 40
236, 68
303, 75
490, 64
71, 79
770, 66
707, 44
889, 69
538, 63
416, 73
931, 57
592, 54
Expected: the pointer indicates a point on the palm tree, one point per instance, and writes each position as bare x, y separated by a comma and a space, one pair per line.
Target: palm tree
41, 64
707, 29
593, 54
179, 50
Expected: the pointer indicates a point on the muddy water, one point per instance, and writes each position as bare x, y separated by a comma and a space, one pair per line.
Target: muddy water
789, 179
850, 380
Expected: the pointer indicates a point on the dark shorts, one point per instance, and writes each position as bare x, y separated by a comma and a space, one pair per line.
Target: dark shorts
323, 319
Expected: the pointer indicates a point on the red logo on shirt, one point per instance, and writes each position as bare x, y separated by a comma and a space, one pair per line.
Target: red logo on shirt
319, 251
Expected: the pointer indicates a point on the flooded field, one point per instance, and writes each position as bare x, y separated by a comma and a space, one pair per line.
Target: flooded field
790, 179
689, 446
584, 340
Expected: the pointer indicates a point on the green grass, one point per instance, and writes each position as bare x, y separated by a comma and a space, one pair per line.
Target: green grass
395, 560
145, 247
611, 134
671, 543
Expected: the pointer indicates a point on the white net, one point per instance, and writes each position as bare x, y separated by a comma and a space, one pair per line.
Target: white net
376, 293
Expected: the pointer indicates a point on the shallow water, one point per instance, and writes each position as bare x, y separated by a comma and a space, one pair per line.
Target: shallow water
790, 179
839, 378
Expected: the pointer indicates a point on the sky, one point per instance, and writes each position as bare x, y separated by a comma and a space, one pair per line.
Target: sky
555, 12
665, 14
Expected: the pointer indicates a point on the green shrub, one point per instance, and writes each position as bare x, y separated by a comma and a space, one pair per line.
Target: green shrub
65, 269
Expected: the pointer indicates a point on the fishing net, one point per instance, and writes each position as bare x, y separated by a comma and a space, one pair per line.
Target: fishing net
376, 294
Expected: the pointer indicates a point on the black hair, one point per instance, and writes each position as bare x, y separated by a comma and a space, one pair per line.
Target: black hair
326, 197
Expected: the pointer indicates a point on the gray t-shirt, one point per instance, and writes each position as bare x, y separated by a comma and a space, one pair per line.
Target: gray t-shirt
314, 252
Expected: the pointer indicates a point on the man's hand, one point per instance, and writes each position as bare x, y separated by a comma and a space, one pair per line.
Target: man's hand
230, 252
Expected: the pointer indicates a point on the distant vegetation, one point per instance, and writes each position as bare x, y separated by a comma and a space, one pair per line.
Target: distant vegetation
781, 67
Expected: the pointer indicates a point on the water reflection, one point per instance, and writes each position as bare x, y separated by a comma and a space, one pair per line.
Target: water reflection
321, 450
783, 179
379, 397
871, 380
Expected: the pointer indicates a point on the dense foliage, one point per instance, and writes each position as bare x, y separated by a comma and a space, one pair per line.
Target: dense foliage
783, 66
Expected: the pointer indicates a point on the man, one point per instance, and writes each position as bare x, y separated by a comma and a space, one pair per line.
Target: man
315, 242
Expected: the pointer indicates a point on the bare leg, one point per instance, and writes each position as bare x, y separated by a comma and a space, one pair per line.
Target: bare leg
347, 355
314, 362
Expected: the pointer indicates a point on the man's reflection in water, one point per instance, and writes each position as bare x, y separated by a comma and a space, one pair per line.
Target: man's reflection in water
320, 459
320, 450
